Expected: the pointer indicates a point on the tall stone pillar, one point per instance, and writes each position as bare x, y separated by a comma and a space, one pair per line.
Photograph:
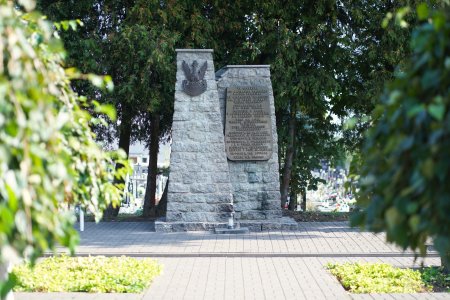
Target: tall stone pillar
255, 183
199, 189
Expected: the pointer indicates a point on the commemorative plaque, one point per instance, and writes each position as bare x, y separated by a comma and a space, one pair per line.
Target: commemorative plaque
248, 124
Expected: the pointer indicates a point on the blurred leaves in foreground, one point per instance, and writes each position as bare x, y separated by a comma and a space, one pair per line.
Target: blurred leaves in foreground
405, 169
48, 155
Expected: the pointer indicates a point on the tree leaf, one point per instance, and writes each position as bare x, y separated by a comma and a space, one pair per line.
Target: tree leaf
422, 11
437, 111
392, 217
108, 110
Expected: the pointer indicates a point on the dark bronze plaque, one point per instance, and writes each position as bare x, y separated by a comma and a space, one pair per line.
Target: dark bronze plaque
248, 124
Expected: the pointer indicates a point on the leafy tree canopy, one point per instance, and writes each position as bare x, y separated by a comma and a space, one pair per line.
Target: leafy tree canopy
406, 160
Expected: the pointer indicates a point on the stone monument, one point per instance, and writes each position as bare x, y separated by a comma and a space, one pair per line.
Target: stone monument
224, 156
247, 110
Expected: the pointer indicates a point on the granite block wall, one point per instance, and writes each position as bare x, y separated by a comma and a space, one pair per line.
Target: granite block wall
199, 186
256, 186
203, 182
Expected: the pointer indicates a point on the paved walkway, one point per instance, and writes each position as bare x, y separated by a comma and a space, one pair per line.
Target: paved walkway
312, 239
265, 265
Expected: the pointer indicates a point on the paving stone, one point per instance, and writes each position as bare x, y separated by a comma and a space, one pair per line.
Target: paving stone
256, 265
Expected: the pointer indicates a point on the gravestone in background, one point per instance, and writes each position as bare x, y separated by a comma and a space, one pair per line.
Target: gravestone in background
224, 149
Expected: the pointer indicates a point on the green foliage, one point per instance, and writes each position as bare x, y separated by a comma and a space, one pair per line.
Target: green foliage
377, 278
87, 274
48, 154
315, 141
436, 277
135, 41
301, 42
377, 54
327, 58
406, 162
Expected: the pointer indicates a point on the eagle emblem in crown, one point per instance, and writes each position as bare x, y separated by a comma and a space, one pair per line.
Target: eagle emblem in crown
194, 84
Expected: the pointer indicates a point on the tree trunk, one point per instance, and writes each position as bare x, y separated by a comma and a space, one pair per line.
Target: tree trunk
445, 262
150, 190
304, 200
161, 209
293, 202
289, 158
124, 144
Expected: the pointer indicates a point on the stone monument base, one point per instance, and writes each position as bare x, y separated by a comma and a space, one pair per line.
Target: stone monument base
279, 224
231, 230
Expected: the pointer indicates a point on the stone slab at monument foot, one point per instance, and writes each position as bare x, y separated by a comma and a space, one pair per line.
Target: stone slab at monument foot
224, 157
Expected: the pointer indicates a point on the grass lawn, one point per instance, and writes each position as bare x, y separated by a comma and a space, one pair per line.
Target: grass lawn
87, 274
384, 278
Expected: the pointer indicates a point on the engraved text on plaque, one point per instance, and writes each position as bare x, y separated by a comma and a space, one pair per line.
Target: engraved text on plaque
248, 125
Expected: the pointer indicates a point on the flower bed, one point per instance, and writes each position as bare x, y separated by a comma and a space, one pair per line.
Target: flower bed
87, 274
384, 278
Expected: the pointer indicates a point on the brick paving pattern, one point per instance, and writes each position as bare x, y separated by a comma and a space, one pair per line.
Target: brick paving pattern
263, 265
315, 239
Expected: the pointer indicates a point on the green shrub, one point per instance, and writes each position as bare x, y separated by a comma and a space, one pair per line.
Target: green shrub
87, 274
378, 278
436, 277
